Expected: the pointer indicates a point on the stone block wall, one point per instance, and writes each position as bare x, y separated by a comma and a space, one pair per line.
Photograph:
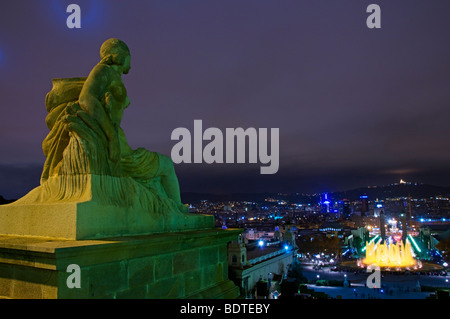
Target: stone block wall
171, 265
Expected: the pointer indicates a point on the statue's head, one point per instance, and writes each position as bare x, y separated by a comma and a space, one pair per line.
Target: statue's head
115, 52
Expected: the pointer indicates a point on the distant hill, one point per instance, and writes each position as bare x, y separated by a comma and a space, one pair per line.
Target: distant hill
191, 197
397, 190
372, 192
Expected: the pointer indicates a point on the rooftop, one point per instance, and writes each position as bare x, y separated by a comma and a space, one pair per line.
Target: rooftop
261, 251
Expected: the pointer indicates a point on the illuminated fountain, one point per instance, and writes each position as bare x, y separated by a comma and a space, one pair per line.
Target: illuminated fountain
393, 255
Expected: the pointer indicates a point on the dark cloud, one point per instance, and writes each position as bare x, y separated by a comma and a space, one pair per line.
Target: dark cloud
354, 106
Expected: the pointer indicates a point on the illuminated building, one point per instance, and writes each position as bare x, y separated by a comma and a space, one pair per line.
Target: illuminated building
382, 227
364, 204
325, 204
345, 208
248, 266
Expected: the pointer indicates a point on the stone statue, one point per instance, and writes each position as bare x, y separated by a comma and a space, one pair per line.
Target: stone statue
85, 134
104, 212
89, 162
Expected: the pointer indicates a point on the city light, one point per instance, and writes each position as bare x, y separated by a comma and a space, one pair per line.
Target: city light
379, 241
414, 243
367, 245
371, 241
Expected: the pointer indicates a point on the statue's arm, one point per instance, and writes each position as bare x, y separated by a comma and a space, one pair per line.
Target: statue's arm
90, 101
90, 96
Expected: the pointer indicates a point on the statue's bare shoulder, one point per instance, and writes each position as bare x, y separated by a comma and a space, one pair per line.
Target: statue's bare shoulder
98, 80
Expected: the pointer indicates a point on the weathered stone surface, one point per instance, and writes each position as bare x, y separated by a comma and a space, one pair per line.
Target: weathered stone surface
152, 266
91, 220
141, 270
209, 255
163, 266
185, 261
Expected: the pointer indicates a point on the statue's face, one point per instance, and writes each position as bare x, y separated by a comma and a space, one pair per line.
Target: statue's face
126, 65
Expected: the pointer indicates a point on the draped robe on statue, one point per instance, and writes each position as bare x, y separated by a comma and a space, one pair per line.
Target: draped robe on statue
76, 151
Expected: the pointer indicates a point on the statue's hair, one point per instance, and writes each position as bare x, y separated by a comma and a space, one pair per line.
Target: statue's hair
114, 52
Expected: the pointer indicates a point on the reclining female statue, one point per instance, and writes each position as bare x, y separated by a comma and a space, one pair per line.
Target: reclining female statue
93, 184
86, 138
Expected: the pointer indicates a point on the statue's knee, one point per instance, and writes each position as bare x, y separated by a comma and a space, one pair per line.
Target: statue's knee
166, 160
166, 164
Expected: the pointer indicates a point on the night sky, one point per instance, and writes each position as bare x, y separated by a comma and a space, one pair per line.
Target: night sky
355, 106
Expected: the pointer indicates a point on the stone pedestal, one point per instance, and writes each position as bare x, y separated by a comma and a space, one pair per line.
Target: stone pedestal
190, 264
90, 220
92, 207
127, 241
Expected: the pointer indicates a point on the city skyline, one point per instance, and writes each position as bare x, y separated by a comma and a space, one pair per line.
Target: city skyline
354, 106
